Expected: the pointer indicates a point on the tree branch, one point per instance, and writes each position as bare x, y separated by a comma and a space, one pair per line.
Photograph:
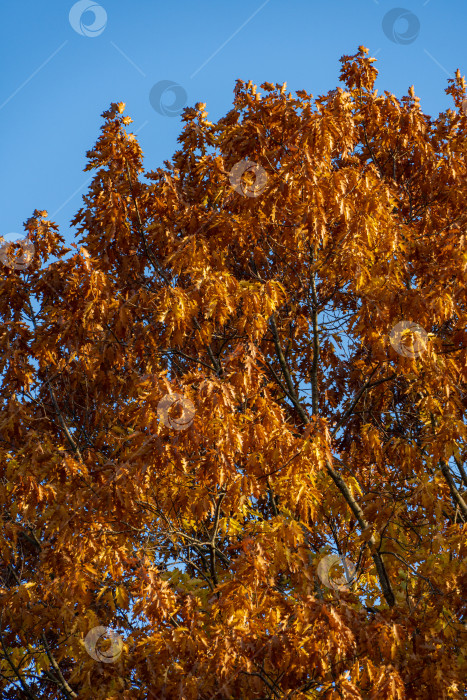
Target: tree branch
69, 692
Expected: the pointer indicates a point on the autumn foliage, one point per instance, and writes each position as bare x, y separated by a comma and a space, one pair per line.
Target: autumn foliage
230, 380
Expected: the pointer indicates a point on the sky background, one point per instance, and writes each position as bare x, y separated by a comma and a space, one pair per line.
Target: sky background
61, 71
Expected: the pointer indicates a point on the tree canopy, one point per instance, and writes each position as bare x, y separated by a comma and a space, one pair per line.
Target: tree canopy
232, 415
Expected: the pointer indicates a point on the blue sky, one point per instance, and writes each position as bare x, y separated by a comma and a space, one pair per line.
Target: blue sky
56, 80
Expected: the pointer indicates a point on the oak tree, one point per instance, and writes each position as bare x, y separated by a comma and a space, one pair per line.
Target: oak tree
232, 414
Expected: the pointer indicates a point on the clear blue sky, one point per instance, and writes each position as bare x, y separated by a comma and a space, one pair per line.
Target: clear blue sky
55, 82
